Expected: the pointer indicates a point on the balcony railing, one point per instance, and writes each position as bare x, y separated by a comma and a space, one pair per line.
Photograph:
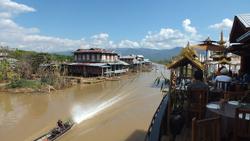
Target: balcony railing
159, 122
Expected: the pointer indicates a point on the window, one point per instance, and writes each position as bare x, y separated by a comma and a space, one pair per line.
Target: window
75, 57
115, 58
84, 57
88, 57
108, 57
93, 57
98, 57
103, 57
79, 57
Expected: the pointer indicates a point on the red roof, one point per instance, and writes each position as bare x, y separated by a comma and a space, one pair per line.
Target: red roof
94, 50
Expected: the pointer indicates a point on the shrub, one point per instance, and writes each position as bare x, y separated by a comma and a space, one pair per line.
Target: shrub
22, 83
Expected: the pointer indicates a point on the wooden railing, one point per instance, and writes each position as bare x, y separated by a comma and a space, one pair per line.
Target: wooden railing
158, 124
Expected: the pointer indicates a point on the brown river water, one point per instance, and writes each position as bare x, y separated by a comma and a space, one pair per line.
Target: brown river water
109, 111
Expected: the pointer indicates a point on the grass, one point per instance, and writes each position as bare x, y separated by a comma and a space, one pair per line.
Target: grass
23, 83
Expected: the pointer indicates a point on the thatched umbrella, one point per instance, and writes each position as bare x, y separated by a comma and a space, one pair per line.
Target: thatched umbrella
208, 44
224, 61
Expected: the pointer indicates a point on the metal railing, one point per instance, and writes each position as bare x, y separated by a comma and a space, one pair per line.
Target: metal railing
159, 122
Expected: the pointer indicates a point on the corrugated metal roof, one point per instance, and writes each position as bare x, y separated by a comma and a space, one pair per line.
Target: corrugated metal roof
118, 63
97, 65
90, 64
127, 57
123, 63
140, 56
147, 60
94, 50
245, 19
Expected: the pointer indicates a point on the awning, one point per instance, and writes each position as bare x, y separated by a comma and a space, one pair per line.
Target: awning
101, 65
239, 49
119, 63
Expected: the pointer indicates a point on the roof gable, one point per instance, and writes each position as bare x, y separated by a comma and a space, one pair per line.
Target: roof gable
241, 25
187, 56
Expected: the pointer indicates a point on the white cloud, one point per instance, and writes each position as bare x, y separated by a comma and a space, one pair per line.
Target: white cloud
15, 35
168, 38
186, 25
101, 36
9, 26
224, 24
101, 41
52, 43
128, 44
165, 38
12, 6
5, 15
29, 38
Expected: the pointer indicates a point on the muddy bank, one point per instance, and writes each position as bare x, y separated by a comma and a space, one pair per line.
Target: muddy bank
70, 81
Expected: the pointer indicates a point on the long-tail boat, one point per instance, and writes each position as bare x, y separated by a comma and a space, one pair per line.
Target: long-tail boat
56, 132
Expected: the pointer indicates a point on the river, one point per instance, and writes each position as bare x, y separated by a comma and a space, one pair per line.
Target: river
109, 111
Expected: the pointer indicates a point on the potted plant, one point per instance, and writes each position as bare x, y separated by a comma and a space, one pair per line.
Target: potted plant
176, 103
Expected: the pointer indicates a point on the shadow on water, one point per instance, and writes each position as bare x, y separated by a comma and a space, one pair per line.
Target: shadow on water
137, 135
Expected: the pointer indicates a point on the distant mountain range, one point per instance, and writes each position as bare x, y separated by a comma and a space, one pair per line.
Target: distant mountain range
152, 54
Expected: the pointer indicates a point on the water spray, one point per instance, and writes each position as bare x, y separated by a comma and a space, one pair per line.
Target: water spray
81, 113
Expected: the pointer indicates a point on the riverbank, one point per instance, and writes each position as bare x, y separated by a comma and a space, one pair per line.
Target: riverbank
69, 81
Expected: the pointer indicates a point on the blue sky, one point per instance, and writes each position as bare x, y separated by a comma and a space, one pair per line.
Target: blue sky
57, 25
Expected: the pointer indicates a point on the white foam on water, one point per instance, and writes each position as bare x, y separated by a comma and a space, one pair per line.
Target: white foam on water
81, 113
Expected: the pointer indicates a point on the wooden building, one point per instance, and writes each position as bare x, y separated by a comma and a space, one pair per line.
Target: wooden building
240, 40
95, 55
130, 59
96, 62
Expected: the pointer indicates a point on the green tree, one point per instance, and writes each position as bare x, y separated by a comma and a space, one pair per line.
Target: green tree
7, 72
38, 59
24, 69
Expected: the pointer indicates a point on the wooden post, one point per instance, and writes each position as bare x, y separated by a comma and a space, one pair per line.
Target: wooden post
181, 71
193, 129
192, 71
243, 64
186, 69
102, 71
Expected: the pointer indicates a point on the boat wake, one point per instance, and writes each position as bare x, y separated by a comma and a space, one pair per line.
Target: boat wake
81, 113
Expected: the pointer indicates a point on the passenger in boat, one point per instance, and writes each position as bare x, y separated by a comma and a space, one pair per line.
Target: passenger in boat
60, 124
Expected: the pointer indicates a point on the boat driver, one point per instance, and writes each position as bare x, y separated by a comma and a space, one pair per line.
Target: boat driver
60, 124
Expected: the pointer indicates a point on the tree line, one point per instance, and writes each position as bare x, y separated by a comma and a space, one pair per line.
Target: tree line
23, 67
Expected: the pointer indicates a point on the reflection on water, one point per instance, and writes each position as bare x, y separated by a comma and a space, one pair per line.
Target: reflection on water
114, 110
